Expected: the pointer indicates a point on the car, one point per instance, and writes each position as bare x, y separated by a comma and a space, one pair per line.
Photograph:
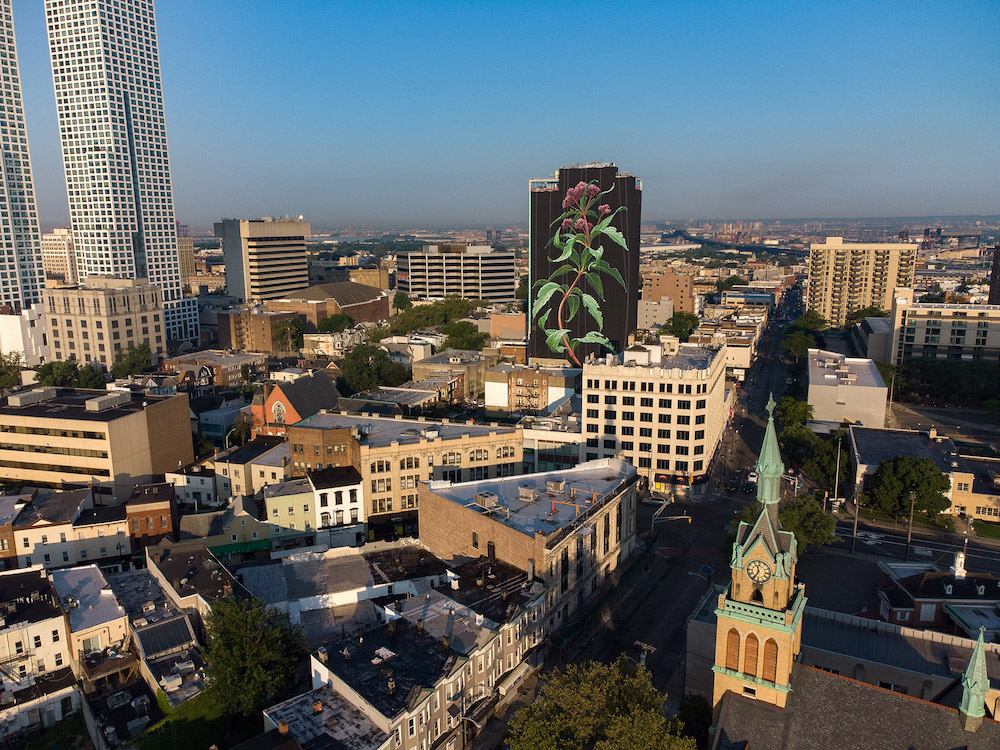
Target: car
734, 484
749, 488
752, 477
789, 381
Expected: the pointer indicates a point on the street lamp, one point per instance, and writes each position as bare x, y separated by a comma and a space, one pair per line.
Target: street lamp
225, 443
909, 529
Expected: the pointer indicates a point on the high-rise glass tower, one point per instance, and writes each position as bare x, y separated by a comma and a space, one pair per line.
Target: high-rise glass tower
21, 277
106, 71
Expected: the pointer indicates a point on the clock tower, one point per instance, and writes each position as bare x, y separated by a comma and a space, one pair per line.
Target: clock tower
759, 617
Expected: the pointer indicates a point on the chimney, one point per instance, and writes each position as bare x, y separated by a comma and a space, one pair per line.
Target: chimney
446, 642
391, 684
317, 707
420, 624
282, 726
227, 588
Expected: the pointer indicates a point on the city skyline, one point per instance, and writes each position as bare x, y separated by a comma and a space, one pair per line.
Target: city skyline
725, 111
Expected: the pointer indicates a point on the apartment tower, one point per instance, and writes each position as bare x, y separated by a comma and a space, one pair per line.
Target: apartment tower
106, 71
468, 271
845, 277
265, 258
619, 305
58, 258
21, 278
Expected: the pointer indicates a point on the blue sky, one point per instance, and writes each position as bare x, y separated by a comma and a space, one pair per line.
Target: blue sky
430, 114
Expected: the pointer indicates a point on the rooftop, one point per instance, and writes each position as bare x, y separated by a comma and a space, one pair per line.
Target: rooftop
379, 431
345, 293
152, 493
831, 368
877, 445
71, 403
277, 457
454, 357
53, 508
192, 569
27, 596
337, 725
495, 589
335, 476
454, 624
86, 596
217, 357
251, 451
100, 515
10, 506
310, 393
291, 487
545, 502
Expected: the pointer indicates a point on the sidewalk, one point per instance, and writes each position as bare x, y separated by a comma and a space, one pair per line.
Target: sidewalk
923, 532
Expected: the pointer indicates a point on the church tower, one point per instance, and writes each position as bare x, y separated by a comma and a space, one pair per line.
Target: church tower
759, 630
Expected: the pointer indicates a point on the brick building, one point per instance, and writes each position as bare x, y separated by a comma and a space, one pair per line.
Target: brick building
251, 330
151, 512
668, 284
361, 303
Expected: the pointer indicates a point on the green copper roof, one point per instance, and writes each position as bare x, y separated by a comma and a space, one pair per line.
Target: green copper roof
769, 466
975, 681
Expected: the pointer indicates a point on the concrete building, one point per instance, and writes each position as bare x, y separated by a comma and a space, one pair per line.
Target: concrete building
395, 455
654, 313
555, 441
845, 277
103, 315
185, 259
265, 258
121, 204
58, 258
529, 390
845, 389
872, 338
471, 366
247, 469
362, 304
667, 284
662, 407
219, 368
252, 330
467, 271
965, 333
26, 333
570, 529
111, 440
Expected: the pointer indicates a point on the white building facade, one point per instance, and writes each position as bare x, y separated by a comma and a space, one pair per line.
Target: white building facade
106, 72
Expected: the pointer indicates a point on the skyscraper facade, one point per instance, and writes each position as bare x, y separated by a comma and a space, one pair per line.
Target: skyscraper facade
21, 277
106, 71
994, 298
619, 304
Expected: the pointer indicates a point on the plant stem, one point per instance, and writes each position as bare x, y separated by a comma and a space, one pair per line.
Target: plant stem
559, 316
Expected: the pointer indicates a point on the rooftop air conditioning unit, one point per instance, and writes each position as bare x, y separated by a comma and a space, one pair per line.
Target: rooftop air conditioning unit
36, 396
527, 492
487, 500
555, 486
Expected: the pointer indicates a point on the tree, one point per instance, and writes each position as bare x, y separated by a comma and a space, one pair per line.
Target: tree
463, 335
89, 377
60, 374
791, 411
806, 518
10, 369
435, 314
367, 366
335, 323
797, 344
242, 428
202, 445
695, 713
681, 324
288, 334
897, 478
867, 312
522, 288
245, 372
599, 706
401, 301
992, 405
811, 321
725, 286
132, 361
251, 655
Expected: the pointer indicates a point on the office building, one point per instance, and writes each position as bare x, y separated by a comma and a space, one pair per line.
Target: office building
667, 284
67, 437
871, 337
21, 275
265, 258
106, 71
930, 330
253, 330
25, 333
96, 319
845, 389
994, 298
185, 258
620, 304
653, 314
467, 271
663, 407
845, 277
58, 258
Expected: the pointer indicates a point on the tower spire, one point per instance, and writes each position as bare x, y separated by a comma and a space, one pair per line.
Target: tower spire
975, 683
769, 465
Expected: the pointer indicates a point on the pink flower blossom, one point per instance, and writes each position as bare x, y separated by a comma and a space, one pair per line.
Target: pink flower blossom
592, 190
567, 224
604, 209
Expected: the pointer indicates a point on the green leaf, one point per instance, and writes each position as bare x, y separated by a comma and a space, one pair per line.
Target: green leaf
613, 272
573, 303
544, 294
594, 337
567, 251
595, 309
554, 340
544, 319
596, 283
615, 235
565, 268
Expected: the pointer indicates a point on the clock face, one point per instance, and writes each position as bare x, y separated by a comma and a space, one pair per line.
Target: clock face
758, 571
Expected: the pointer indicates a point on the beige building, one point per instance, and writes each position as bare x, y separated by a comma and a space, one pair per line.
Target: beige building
529, 389
265, 258
967, 333
668, 284
846, 389
94, 320
96, 619
290, 509
662, 407
845, 277
185, 256
113, 440
468, 271
246, 470
58, 257
471, 366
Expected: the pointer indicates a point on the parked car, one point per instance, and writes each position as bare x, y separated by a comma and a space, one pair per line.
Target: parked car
752, 477
734, 484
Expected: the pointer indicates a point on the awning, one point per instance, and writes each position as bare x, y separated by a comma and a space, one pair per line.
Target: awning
238, 548
512, 680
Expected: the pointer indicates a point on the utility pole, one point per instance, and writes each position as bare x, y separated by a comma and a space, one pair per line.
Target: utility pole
646, 651
857, 512
909, 529
836, 477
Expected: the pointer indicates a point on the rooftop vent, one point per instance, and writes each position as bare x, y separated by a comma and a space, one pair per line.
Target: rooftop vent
35, 396
527, 493
108, 401
487, 499
555, 486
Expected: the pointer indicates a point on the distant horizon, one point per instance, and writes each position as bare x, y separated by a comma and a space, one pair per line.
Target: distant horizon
750, 111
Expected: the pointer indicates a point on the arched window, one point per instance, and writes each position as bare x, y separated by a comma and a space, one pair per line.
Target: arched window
770, 661
750, 656
278, 412
756, 596
733, 650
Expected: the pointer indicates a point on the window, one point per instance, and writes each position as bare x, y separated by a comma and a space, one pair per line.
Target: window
38, 641
475, 540
55, 636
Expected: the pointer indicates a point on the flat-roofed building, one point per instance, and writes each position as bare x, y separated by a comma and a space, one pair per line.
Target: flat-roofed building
253, 330
470, 365
667, 284
845, 277
467, 271
63, 437
845, 389
290, 509
247, 469
99, 317
871, 337
663, 407
339, 503
265, 258
925, 330
58, 258
26, 333
570, 529
219, 368
395, 455
529, 389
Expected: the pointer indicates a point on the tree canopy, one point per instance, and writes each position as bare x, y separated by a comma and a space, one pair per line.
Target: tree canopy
251, 655
435, 314
522, 288
681, 324
791, 411
867, 312
287, 334
367, 366
897, 478
816, 456
805, 518
70, 374
599, 706
10, 369
401, 301
335, 323
729, 283
463, 335
132, 361
89, 377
